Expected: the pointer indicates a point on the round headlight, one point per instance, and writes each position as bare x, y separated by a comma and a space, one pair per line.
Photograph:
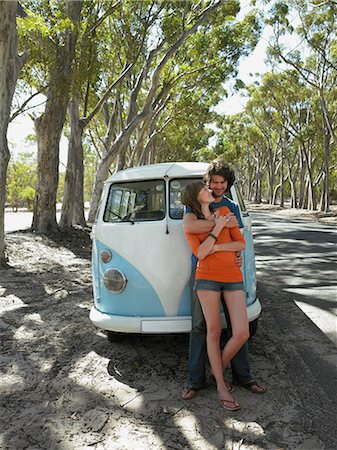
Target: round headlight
114, 280
106, 256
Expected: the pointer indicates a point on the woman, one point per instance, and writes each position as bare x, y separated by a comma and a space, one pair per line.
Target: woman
216, 273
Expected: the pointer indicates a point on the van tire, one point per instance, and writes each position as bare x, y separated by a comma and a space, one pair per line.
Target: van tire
253, 328
114, 336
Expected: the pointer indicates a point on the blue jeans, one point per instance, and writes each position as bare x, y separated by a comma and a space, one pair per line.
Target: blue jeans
240, 363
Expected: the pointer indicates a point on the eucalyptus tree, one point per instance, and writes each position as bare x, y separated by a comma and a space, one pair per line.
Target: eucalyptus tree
192, 39
317, 29
264, 116
121, 52
297, 106
10, 66
241, 143
50, 31
86, 76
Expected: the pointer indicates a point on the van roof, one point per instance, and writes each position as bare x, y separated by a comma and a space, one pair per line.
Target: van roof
170, 170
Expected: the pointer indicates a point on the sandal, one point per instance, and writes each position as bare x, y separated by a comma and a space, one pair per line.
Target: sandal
254, 387
188, 393
230, 405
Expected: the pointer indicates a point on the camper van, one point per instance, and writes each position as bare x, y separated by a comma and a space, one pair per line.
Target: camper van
141, 262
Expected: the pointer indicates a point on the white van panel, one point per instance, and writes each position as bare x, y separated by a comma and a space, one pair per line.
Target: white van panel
153, 261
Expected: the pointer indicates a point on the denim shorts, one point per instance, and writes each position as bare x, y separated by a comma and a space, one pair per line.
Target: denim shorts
218, 286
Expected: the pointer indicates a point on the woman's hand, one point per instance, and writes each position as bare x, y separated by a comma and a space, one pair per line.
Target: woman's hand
220, 222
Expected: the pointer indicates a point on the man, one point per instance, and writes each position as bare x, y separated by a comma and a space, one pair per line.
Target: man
219, 177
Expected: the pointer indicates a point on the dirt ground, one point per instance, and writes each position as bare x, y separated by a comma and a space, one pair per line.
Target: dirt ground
65, 386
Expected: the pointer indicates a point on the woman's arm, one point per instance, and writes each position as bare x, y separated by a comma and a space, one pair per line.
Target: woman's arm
207, 246
238, 242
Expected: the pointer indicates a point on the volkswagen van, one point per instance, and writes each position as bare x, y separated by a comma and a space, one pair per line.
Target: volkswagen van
141, 262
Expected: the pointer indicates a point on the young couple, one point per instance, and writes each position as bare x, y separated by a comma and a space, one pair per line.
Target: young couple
211, 225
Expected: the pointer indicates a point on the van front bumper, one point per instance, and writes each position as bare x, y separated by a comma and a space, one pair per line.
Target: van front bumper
156, 325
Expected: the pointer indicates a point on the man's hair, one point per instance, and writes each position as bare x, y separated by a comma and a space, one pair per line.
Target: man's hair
189, 197
220, 168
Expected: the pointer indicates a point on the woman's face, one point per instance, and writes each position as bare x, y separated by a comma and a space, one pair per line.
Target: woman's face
205, 196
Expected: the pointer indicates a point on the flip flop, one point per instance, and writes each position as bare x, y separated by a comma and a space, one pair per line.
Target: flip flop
188, 393
254, 387
230, 405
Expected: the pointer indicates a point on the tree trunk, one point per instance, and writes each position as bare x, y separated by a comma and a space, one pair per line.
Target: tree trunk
282, 179
78, 215
275, 194
49, 127
101, 175
74, 168
302, 179
10, 65
325, 200
118, 146
257, 194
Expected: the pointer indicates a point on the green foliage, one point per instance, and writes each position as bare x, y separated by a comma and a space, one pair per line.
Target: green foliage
90, 167
60, 187
21, 181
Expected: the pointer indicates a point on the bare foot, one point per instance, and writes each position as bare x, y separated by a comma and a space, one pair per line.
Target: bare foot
228, 402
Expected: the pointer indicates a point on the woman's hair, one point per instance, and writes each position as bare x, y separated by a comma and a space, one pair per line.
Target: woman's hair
189, 197
220, 168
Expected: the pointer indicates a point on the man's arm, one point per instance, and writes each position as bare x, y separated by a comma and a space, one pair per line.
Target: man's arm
196, 226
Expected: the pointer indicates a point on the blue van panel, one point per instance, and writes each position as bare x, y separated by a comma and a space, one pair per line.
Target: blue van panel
138, 298
185, 302
249, 268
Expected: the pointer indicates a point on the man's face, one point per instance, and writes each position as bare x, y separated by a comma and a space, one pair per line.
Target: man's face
218, 185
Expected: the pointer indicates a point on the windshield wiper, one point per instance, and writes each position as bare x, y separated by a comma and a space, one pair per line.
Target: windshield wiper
122, 219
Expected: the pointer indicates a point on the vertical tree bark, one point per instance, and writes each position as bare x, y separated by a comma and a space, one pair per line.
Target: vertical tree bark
282, 178
302, 178
78, 214
49, 127
10, 65
74, 172
325, 200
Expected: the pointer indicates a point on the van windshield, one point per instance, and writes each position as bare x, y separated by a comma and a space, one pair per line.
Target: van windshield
135, 201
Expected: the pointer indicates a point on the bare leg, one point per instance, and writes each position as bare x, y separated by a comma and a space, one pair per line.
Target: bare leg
237, 309
210, 303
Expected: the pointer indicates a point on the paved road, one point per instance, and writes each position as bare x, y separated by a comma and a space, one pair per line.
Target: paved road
20, 220
296, 263
299, 258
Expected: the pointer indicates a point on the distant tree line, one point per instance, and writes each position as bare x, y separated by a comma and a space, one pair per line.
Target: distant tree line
284, 142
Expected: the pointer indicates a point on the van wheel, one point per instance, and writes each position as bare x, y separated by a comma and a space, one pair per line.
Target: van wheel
252, 328
115, 337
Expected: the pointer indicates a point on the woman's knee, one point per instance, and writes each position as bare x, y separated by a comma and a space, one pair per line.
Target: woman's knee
214, 333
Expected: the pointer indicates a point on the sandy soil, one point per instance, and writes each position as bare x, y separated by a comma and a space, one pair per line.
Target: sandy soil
65, 386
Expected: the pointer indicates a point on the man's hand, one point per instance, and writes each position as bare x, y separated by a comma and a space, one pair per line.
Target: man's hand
232, 221
238, 259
